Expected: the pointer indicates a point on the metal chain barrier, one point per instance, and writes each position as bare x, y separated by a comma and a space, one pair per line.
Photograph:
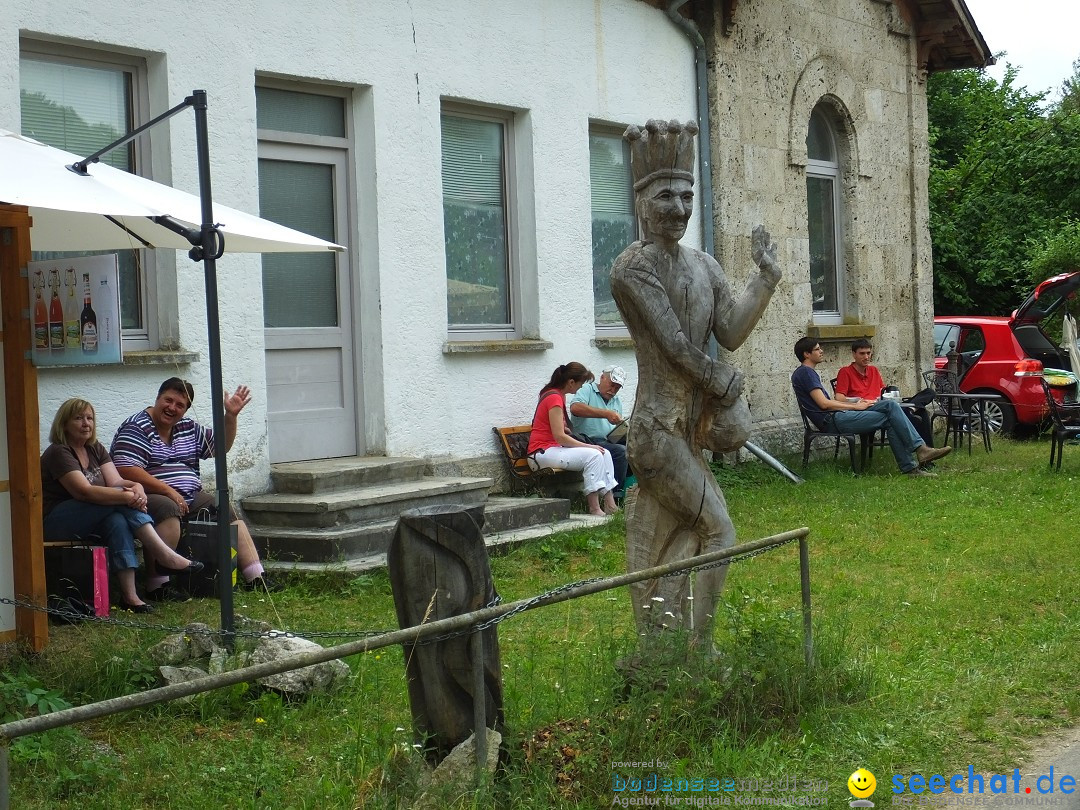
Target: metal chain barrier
81, 618
531, 603
75, 617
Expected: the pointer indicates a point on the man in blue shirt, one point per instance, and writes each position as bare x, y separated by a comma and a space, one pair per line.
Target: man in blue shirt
859, 415
595, 410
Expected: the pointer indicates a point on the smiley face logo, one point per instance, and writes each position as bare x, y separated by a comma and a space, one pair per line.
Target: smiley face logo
862, 784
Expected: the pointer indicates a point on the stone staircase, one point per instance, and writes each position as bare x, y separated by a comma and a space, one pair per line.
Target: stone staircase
340, 513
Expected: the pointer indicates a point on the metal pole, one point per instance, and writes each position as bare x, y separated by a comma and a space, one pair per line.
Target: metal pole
773, 462
81, 166
479, 708
701, 79
411, 635
5, 778
804, 575
211, 248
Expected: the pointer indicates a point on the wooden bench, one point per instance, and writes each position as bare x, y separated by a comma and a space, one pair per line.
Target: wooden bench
514, 443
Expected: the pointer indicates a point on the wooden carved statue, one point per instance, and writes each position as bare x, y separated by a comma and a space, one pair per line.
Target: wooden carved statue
438, 567
673, 299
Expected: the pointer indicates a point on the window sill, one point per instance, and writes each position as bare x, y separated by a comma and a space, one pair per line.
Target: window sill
614, 342
473, 346
840, 332
160, 357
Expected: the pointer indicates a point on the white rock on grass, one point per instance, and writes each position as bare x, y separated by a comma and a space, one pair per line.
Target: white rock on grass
456, 774
196, 641
323, 677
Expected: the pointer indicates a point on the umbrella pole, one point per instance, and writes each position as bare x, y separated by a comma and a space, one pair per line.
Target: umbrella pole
211, 247
208, 245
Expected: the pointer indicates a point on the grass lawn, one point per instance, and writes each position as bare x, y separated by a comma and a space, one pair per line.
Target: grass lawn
945, 617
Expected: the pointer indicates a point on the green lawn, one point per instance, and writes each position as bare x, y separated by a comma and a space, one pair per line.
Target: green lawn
945, 613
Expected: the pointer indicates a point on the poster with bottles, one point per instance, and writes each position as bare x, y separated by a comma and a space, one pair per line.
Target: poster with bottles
75, 311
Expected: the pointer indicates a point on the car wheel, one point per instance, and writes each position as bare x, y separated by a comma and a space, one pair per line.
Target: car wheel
1000, 416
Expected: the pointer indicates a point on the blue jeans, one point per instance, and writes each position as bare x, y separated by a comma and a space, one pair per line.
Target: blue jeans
884, 413
115, 525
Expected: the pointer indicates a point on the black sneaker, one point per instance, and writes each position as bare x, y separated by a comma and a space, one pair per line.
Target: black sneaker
261, 584
168, 593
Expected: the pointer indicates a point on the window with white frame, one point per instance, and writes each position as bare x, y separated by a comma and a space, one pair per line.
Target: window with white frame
477, 172
823, 199
614, 225
80, 100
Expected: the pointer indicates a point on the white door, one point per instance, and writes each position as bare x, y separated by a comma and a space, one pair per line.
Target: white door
308, 306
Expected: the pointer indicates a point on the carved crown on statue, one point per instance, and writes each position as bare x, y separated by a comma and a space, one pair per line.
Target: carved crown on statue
662, 150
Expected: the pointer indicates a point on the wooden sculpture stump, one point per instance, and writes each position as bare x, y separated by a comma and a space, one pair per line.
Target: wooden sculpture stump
438, 567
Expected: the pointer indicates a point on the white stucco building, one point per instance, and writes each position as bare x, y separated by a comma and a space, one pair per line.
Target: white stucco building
467, 154
365, 360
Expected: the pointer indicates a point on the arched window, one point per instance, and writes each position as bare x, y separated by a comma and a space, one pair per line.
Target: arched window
823, 200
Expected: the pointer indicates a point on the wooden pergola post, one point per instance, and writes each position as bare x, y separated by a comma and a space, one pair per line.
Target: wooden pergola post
24, 449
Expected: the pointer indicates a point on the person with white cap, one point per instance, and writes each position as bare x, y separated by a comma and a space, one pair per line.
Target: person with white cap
595, 410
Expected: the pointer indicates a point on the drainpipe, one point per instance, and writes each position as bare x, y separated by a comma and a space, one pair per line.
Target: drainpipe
913, 67
704, 134
705, 158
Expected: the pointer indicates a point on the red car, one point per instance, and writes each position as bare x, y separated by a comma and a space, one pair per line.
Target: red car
1006, 356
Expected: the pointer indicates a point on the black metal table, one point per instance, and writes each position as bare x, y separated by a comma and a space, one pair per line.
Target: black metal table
959, 408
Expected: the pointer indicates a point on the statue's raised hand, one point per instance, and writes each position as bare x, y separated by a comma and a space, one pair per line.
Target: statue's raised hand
763, 249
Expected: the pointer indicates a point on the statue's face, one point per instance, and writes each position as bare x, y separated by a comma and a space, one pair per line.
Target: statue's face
665, 208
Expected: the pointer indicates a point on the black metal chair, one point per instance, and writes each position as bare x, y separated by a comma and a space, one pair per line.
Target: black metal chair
958, 420
1064, 424
812, 432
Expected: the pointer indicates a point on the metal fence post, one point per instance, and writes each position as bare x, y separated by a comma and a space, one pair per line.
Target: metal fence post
5, 781
804, 575
479, 708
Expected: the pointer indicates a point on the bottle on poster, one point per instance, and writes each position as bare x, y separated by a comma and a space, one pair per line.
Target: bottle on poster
88, 320
41, 314
56, 313
72, 336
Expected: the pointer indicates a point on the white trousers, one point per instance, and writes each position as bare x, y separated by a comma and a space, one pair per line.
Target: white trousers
595, 466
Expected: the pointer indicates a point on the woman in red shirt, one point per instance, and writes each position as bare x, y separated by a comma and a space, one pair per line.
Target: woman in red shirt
551, 444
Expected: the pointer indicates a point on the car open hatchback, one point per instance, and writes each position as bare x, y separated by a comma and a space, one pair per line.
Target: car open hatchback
1006, 355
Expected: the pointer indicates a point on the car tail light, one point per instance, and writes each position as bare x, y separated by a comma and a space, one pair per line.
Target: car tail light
1028, 368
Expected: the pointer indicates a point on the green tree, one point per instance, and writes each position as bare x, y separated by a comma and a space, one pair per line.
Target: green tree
1058, 253
1070, 92
1004, 179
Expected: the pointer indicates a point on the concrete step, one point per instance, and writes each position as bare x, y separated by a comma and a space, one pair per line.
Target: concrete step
328, 475
510, 514
343, 543
497, 543
362, 504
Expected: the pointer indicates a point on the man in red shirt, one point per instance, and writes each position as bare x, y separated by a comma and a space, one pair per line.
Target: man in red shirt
861, 380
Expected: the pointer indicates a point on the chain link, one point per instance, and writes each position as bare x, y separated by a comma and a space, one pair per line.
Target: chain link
572, 585
73, 616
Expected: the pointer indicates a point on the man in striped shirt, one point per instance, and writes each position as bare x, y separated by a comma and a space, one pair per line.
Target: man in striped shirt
160, 447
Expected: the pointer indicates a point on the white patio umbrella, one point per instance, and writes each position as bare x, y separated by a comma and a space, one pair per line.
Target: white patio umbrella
97, 207
110, 209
